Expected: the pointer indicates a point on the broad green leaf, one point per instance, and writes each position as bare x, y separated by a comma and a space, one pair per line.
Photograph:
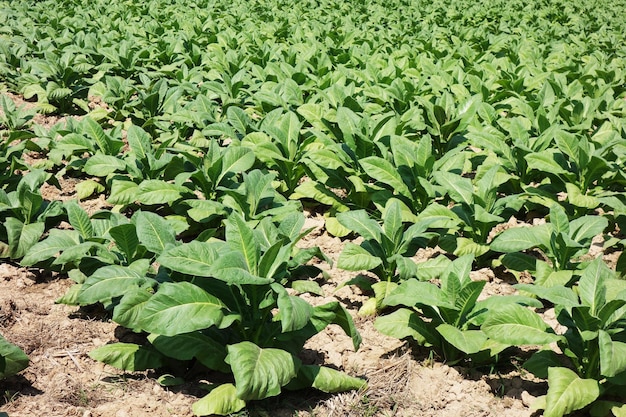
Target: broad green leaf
159, 192
181, 307
221, 401
294, 312
517, 325
412, 292
88, 188
139, 142
521, 238
612, 355
191, 345
125, 237
100, 165
558, 295
591, 286
79, 219
325, 379
22, 237
404, 323
545, 162
123, 192
193, 258
468, 341
14, 359
578, 199
586, 227
128, 312
558, 219
460, 189
304, 286
568, 392
359, 222
260, 373
383, 171
355, 258
109, 282
153, 231
519, 262
128, 356
392, 221
240, 236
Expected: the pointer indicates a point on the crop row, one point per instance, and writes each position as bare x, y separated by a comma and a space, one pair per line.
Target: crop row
208, 126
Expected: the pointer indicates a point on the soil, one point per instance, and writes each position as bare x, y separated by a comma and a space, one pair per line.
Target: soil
62, 380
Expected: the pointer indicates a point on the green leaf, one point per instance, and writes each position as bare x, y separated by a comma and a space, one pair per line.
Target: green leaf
517, 261
139, 142
123, 192
240, 236
13, 359
128, 312
612, 355
460, 189
192, 345
260, 373
304, 286
22, 237
558, 295
221, 401
412, 292
383, 171
128, 356
88, 188
404, 323
592, 287
79, 219
521, 238
392, 221
568, 392
468, 341
159, 192
294, 312
359, 222
153, 231
193, 258
516, 325
180, 307
100, 165
355, 258
586, 227
125, 237
327, 380
109, 282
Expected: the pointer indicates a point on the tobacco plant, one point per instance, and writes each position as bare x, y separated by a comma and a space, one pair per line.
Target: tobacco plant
561, 241
446, 318
589, 370
223, 304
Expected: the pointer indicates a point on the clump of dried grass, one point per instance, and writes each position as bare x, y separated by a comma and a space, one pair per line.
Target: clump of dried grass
387, 394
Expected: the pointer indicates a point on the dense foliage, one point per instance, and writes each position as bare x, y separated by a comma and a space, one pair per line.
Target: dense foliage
411, 124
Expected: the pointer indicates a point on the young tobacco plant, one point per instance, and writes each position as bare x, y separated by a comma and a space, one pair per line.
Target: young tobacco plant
12, 359
589, 369
446, 318
386, 249
223, 305
25, 215
478, 207
561, 241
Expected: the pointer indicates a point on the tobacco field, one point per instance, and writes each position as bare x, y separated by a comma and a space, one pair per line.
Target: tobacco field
312, 208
